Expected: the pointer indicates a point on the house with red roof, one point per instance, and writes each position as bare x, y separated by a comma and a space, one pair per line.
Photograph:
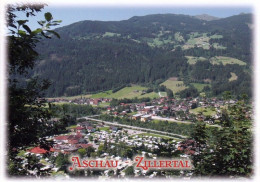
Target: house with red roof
79, 129
39, 150
75, 137
62, 138
73, 141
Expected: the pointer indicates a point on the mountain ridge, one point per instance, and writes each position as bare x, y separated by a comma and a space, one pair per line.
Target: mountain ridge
206, 17
95, 55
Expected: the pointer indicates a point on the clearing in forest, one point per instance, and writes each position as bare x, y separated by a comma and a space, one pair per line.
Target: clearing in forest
174, 85
226, 60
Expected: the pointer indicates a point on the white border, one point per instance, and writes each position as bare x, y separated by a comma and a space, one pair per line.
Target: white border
131, 3
2, 90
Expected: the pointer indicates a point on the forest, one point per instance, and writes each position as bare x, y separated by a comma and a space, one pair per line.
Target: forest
94, 56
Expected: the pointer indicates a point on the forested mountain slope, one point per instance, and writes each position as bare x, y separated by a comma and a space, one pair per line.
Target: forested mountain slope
95, 55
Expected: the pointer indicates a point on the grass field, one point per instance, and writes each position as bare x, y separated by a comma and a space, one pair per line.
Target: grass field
199, 86
130, 92
194, 35
217, 46
71, 127
216, 60
110, 34
104, 129
205, 111
226, 60
233, 77
174, 85
73, 97
105, 104
195, 39
193, 60
216, 36
126, 92
105, 94
158, 42
21, 153
179, 123
151, 95
178, 37
201, 40
163, 94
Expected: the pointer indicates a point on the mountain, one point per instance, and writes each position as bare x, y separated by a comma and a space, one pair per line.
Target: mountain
94, 56
206, 17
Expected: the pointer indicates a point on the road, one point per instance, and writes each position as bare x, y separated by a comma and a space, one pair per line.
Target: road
134, 127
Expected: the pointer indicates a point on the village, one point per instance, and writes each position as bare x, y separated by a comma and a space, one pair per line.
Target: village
184, 110
105, 141
94, 137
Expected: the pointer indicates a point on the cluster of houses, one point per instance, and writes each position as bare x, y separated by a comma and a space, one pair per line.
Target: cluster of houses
178, 109
87, 134
85, 101
175, 108
85, 127
150, 142
64, 144
78, 137
70, 143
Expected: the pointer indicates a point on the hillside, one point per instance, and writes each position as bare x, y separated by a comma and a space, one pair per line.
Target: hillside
129, 92
206, 17
94, 56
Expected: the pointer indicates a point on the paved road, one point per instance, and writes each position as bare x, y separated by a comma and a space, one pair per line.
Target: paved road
134, 127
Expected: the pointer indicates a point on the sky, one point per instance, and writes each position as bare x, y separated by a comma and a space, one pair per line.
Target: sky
69, 15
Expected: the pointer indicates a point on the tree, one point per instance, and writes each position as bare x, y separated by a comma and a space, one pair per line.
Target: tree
200, 137
62, 161
227, 95
82, 152
129, 171
189, 92
234, 147
169, 93
231, 154
90, 138
194, 105
127, 153
89, 151
27, 117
